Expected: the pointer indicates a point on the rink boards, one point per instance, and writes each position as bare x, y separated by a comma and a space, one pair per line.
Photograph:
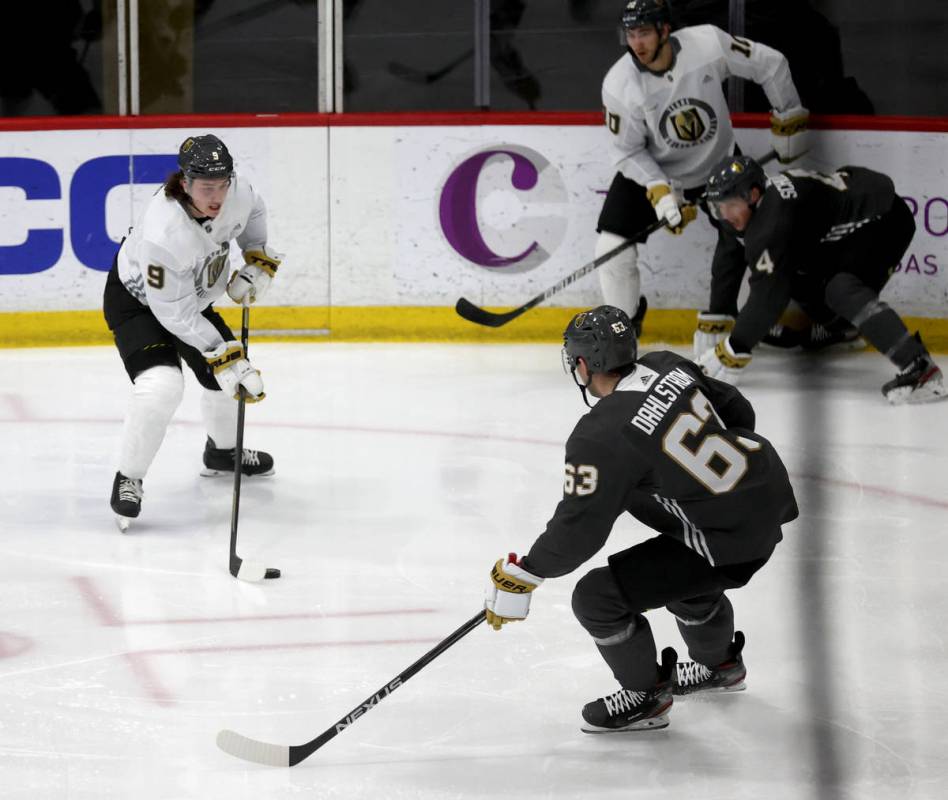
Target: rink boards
386, 220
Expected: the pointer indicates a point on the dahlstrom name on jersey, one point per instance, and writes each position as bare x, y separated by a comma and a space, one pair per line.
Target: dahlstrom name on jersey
654, 407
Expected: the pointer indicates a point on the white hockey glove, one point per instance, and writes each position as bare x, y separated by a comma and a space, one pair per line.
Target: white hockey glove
231, 370
788, 133
666, 205
508, 594
253, 279
712, 328
723, 363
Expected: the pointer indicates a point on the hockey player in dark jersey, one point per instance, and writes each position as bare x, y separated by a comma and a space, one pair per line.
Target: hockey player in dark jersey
830, 242
678, 450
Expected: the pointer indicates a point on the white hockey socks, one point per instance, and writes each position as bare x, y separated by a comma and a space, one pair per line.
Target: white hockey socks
155, 396
219, 412
619, 276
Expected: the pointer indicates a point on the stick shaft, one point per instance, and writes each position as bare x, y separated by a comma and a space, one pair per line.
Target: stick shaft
299, 752
239, 447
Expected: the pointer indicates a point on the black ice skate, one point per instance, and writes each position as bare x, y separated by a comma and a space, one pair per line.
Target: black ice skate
920, 382
639, 316
821, 337
126, 500
218, 461
628, 710
783, 337
728, 676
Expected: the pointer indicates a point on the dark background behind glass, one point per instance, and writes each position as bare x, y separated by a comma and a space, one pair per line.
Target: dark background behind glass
206, 56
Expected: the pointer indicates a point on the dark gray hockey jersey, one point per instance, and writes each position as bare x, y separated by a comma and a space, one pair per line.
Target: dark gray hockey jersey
678, 450
801, 212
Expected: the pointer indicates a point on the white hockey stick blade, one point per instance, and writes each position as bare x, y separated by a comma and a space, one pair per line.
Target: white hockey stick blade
271, 755
251, 571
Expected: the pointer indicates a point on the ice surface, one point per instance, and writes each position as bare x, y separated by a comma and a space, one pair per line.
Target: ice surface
402, 473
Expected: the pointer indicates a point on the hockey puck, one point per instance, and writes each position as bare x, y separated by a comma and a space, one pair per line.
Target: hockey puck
272, 572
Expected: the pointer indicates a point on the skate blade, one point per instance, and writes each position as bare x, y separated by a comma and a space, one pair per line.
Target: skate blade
650, 724
207, 472
908, 396
123, 523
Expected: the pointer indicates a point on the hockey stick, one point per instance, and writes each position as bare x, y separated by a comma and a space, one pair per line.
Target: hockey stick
414, 75
481, 316
278, 755
244, 570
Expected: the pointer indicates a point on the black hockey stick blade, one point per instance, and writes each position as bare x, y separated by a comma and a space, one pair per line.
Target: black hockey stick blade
279, 755
481, 316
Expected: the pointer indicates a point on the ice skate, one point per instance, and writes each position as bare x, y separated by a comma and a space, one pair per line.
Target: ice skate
821, 337
126, 500
628, 710
920, 382
782, 337
220, 461
728, 676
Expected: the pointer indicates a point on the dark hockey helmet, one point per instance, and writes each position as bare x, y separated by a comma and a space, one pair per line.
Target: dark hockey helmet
603, 338
734, 176
205, 157
646, 12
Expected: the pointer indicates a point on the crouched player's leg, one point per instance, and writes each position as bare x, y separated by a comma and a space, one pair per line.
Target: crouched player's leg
706, 624
625, 642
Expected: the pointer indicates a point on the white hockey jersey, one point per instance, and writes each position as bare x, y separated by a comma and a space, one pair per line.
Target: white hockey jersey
178, 266
675, 126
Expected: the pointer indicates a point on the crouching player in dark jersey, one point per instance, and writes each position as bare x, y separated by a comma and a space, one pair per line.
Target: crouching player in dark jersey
830, 242
678, 450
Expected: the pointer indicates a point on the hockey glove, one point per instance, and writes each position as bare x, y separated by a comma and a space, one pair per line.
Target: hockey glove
231, 370
508, 594
253, 279
788, 133
663, 200
712, 328
723, 363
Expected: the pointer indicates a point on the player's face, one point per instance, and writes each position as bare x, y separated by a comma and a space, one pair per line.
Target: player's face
207, 195
736, 211
644, 41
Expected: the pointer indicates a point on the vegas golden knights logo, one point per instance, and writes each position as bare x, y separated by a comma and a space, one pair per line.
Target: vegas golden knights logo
688, 125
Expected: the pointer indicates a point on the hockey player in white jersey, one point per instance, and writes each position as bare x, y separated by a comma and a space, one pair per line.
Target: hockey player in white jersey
158, 304
668, 116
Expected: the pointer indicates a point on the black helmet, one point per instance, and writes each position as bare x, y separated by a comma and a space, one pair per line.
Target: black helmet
603, 338
205, 157
646, 12
734, 176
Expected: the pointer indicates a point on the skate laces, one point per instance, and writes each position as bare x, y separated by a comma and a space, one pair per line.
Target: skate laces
250, 458
623, 700
691, 673
130, 489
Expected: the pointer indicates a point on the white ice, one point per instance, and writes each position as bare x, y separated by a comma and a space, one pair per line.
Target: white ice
402, 473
